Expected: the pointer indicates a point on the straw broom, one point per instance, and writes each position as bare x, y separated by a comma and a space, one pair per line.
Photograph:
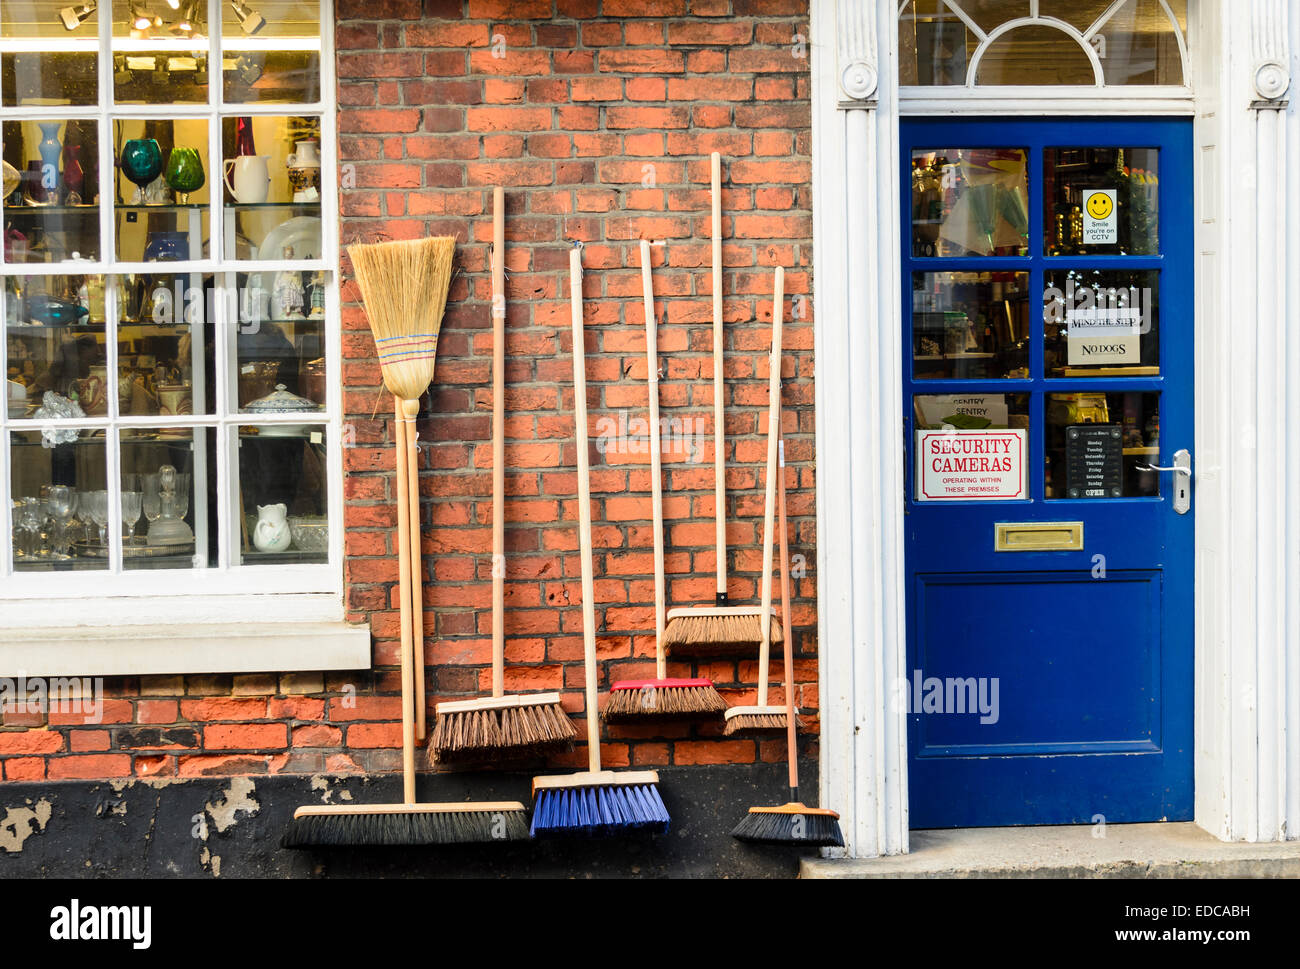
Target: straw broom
763, 718
404, 286
718, 630
660, 697
593, 802
499, 725
794, 822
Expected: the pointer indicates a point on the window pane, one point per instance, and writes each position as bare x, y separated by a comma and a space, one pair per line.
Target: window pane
61, 63
271, 51
1101, 201
934, 45
52, 215
971, 325
168, 487
1097, 442
165, 351
57, 479
272, 191
282, 475
54, 347
162, 190
160, 52
1035, 55
1101, 324
971, 447
970, 202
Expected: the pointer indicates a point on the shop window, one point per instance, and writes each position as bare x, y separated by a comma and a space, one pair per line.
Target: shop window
998, 43
169, 299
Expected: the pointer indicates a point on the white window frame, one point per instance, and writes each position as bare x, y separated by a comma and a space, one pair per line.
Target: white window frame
228, 592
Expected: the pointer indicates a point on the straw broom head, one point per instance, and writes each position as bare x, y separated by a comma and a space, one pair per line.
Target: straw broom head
404, 287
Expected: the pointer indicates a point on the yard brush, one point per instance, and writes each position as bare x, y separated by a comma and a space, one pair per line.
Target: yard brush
720, 629
499, 725
794, 823
594, 802
412, 279
408, 823
763, 718
660, 697
404, 287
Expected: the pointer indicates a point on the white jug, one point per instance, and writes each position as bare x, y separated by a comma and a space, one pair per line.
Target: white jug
271, 534
307, 155
252, 179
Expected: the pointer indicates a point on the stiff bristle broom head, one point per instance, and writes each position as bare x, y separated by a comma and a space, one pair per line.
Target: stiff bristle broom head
404, 287
598, 804
666, 699
796, 825
500, 727
717, 632
327, 826
751, 720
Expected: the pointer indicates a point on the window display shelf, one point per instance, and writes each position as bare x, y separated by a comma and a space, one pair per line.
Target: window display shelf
254, 206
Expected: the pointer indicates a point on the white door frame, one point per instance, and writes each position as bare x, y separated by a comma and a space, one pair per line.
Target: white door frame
1246, 456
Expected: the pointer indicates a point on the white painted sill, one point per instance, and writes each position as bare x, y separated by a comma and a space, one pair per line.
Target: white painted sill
278, 634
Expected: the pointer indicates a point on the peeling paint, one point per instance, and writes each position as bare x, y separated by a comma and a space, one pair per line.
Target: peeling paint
327, 785
235, 799
20, 823
211, 862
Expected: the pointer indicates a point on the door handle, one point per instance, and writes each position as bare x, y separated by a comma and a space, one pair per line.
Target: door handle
1182, 471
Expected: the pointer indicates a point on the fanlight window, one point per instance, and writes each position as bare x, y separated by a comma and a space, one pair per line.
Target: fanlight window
999, 43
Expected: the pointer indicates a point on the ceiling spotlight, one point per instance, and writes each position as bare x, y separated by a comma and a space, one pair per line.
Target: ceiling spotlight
249, 19
247, 70
174, 4
74, 16
139, 19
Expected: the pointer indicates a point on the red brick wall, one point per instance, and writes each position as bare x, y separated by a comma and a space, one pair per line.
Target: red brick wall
588, 100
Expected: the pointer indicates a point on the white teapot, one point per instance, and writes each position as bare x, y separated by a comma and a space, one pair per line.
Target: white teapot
271, 533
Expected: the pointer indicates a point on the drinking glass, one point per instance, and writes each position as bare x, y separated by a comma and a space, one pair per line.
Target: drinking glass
131, 504
98, 510
60, 509
151, 501
31, 519
182, 494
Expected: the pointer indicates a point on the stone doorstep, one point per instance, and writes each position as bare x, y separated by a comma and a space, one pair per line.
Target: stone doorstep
1170, 850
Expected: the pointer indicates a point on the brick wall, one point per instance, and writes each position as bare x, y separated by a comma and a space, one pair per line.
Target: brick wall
599, 119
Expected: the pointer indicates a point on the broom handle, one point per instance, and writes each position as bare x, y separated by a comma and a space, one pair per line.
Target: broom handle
656, 462
498, 442
791, 747
584, 510
769, 498
719, 410
404, 593
410, 411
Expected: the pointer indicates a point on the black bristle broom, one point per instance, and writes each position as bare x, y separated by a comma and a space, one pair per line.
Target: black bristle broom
793, 823
593, 802
661, 697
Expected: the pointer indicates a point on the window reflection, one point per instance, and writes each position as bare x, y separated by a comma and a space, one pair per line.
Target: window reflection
970, 202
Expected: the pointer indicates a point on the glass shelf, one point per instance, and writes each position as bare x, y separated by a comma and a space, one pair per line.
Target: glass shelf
252, 206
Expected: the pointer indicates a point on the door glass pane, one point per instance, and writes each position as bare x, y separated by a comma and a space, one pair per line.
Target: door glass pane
970, 325
51, 215
970, 202
282, 494
271, 51
1101, 323
971, 447
168, 508
1096, 444
58, 59
57, 482
162, 190
160, 51
1101, 201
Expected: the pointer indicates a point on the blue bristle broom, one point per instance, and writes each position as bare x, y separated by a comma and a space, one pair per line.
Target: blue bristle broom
594, 802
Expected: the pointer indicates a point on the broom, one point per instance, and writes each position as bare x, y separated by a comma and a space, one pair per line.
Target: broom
763, 718
720, 630
795, 822
660, 697
408, 823
404, 287
499, 724
594, 801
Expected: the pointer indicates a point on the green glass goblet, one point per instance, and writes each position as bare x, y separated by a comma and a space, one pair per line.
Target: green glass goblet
184, 173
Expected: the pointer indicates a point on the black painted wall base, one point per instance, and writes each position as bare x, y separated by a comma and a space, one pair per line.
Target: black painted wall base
231, 827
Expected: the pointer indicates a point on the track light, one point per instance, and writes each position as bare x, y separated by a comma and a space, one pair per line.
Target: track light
249, 19
140, 20
76, 15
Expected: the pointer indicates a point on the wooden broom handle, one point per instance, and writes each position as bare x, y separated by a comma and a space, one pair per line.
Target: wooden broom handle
498, 442
410, 411
584, 510
791, 744
769, 498
719, 391
656, 462
404, 599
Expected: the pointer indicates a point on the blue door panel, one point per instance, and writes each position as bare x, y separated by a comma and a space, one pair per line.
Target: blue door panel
1091, 649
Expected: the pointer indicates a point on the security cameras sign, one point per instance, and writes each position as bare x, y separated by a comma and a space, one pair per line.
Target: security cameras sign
971, 465
1100, 219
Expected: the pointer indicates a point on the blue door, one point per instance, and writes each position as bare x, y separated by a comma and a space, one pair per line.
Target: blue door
1048, 390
